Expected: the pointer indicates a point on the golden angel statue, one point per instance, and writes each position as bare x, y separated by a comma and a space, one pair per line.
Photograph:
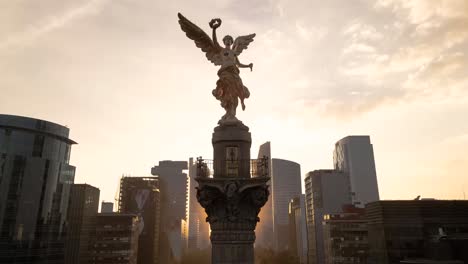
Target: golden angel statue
229, 86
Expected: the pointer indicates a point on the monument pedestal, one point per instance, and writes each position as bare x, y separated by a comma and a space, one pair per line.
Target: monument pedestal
232, 192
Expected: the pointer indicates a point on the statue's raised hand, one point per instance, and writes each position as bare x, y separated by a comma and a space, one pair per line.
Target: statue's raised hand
215, 23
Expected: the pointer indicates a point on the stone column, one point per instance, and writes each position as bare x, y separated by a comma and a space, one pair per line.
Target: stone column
232, 198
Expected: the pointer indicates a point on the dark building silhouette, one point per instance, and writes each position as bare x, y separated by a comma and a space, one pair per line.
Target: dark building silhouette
116, 239
417, 230
81, 223
199, 229
326, 193
298, 228
174, 208
285, 185
35, 182
264, 230
107, 207
141, 196
345, 237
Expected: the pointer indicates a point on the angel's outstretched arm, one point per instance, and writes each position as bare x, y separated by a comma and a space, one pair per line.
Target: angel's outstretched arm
215, 40
240, 65
214, 24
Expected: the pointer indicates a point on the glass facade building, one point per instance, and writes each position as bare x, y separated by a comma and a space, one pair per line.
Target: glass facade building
355, 156
286, 184
35, 182
264, 230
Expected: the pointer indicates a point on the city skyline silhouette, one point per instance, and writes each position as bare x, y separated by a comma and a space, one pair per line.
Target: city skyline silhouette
126, 82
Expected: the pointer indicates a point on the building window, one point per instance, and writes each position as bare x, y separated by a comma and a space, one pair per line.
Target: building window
38, 146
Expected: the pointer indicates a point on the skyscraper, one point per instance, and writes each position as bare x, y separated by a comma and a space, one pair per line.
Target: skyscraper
327, 191
35, 182
298, 228
140, 196
355, 156
174, 187
264, 229
81, 223
199, 229
286, 184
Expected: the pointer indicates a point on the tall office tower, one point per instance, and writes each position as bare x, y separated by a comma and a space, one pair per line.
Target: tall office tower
81, 223
199, 229
345, 237
298, 228
35, 182
286, 184
264, 230
174, 187
327, 191
355, 156
107, 207
117, 239
141, 196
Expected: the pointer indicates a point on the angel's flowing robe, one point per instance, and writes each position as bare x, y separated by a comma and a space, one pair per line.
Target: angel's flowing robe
229, 87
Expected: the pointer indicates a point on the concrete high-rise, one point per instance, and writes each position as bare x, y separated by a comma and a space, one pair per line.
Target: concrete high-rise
264, 230
81, 223
285, 185
199, 229
140, 196
174, 209
327, 191
35, 182
355, 156
298, 228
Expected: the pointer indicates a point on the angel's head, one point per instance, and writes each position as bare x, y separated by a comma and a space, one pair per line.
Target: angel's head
228, 40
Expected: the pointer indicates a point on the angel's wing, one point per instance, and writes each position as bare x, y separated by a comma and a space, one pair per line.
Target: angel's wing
242, 42
201, 39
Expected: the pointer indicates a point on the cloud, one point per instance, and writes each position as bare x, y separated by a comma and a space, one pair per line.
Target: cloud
359, 31
53, 23
417, 52
419, 11
309, 32
444, 75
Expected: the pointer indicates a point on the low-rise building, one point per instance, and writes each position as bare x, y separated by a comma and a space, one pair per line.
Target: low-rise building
116, 239
417, 230
345, 237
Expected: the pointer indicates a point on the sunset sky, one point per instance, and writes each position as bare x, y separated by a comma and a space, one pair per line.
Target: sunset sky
135, 90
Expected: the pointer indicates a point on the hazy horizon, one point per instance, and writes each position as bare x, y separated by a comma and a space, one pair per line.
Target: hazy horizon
134, 90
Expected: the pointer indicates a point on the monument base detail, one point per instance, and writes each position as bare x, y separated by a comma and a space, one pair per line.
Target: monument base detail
232, 193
